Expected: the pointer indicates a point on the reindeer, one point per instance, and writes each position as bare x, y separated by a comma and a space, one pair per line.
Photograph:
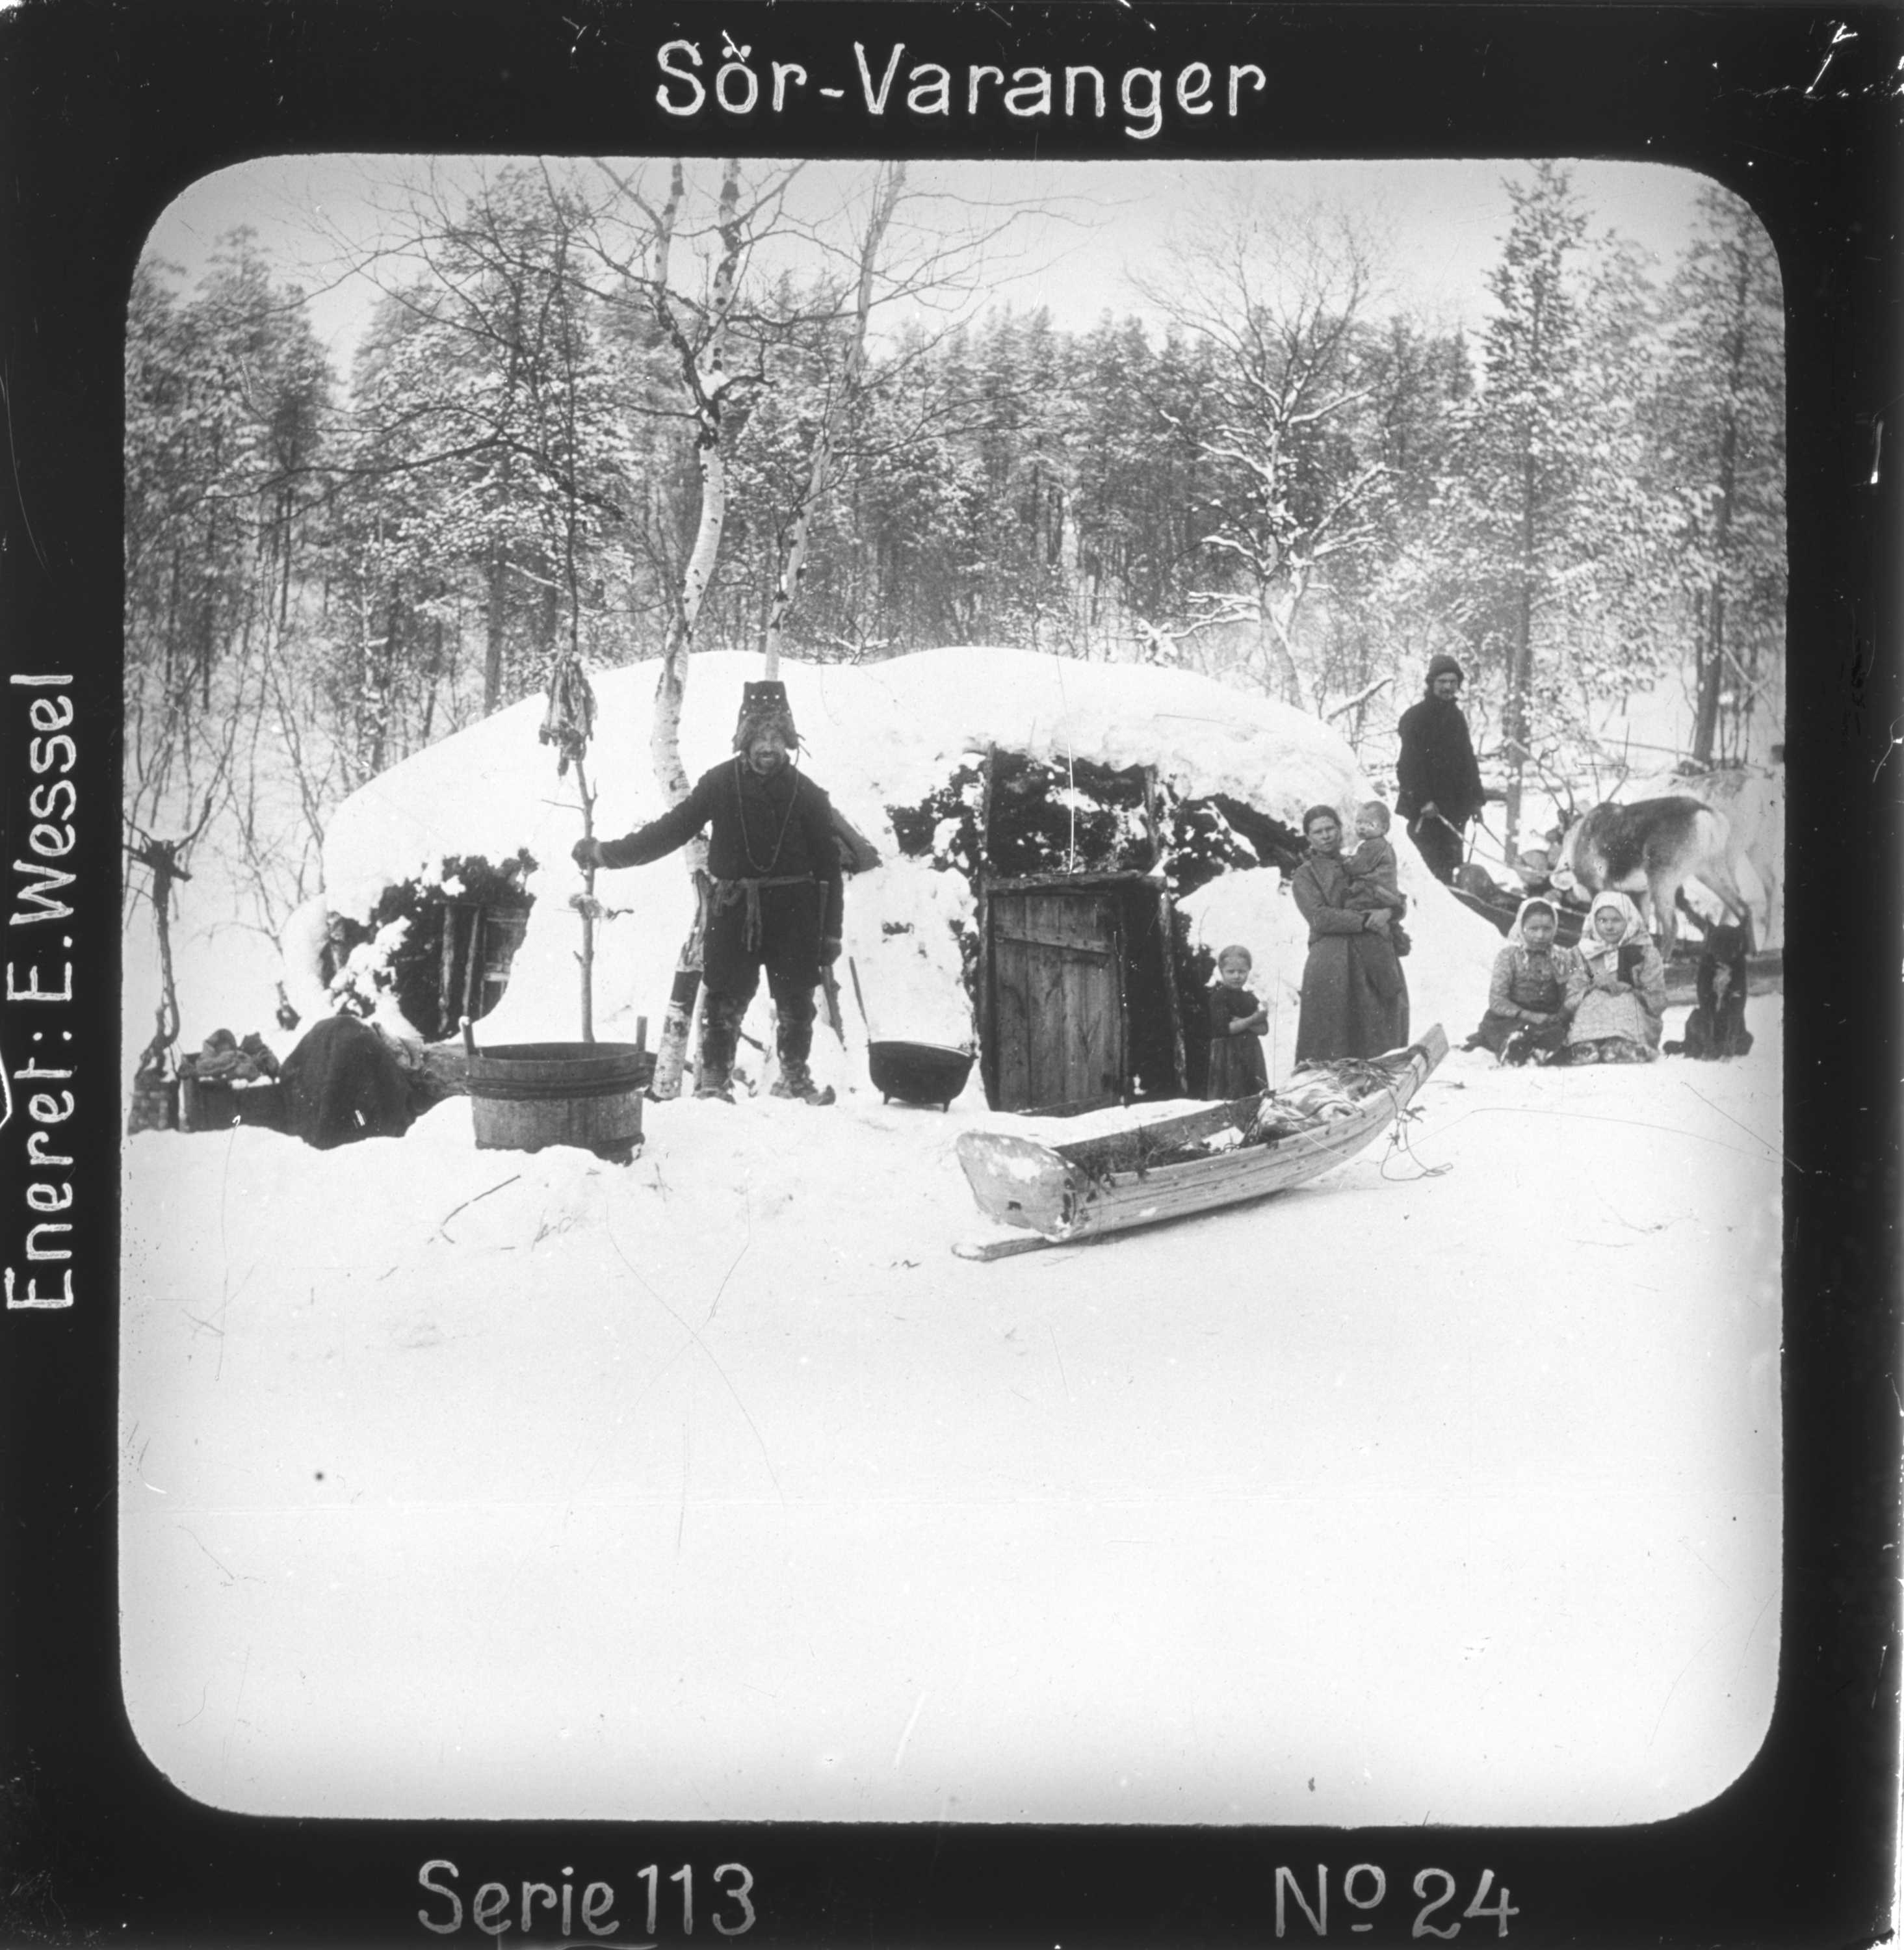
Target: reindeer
1652, 849
1753, 802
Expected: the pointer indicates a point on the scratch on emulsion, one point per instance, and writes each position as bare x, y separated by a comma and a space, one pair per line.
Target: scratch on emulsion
919, 1706
1842, 34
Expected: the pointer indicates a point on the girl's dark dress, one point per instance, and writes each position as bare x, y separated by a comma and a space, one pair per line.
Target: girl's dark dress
1236, 1061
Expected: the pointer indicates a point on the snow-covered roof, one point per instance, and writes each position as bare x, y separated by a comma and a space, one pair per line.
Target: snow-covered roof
875, 735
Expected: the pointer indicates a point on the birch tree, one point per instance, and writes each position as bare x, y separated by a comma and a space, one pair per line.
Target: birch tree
721, 339
1281, 299
889, 184
696, 329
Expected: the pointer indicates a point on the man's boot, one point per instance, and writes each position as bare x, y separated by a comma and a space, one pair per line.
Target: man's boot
720, 1036
792, 1040
797, 1080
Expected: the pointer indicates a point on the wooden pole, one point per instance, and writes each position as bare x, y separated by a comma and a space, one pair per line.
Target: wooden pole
471, 962
445, 986
1166, 920
988, 1012
587, 958
1166, 923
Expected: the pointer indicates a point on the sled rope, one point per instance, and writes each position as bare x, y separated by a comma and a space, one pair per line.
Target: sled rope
1398, 1142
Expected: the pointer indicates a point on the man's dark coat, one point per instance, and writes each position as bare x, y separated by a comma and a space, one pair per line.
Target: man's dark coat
1437, 763
776, 829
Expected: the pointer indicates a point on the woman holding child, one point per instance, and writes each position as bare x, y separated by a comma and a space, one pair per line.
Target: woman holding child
1354, 999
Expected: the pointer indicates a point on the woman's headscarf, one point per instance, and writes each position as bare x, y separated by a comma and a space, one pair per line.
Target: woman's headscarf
1514, 933
1600, 953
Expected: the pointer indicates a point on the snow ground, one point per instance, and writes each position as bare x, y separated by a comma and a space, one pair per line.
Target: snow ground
477, 1483
462, 1482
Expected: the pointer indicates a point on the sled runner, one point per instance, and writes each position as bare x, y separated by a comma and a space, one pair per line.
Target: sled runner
1192, 1161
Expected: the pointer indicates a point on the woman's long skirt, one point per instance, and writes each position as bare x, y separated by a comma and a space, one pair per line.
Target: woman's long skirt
1354, 999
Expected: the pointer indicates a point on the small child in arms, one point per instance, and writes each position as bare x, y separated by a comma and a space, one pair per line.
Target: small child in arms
1372, 872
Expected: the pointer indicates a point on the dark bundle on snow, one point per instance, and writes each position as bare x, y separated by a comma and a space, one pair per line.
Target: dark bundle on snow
342, 1083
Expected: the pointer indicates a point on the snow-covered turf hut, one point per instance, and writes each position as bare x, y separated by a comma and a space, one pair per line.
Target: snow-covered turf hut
1063, 847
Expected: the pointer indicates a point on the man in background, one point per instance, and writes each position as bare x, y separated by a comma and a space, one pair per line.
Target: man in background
1439, 788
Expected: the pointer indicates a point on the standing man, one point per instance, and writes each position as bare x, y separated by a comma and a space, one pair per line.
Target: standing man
778, 902
1438, 786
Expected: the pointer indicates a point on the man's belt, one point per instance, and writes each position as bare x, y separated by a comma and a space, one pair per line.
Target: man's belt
726, 893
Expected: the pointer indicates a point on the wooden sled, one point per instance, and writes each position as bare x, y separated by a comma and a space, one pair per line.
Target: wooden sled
1058, 1193
1503, 908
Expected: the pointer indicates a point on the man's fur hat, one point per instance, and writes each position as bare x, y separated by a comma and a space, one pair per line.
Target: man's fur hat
763, 707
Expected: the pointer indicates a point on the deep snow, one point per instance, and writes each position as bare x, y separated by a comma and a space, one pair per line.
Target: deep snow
462, 1481
482, 1483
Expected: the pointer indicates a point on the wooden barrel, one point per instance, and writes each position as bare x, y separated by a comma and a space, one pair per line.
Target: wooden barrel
528, 1094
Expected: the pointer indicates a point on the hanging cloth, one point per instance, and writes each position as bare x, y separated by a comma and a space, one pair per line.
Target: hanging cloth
568, 722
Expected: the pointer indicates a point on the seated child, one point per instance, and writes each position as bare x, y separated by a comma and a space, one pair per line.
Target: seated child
1716, 1028
1527, 1017
1616, 995
1372, 872
1238, 1024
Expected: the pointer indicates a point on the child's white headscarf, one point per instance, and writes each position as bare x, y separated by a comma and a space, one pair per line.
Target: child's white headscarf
1514, 934
1597, 951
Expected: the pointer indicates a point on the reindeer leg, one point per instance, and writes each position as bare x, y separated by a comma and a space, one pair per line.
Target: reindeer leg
1727, 889
1661, 892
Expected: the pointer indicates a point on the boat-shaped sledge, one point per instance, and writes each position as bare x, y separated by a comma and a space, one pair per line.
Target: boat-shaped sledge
1189, 1161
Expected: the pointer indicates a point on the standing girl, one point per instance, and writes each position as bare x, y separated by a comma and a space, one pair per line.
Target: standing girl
1237, 1022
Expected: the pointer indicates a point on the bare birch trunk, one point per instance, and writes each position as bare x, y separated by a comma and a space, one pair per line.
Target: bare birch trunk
664, 748
792, 562
708, 391
1276, 652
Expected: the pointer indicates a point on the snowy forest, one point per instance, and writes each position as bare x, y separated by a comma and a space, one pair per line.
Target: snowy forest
602, 409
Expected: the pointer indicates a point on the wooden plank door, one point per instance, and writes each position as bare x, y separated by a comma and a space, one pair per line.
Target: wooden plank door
1056, 959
